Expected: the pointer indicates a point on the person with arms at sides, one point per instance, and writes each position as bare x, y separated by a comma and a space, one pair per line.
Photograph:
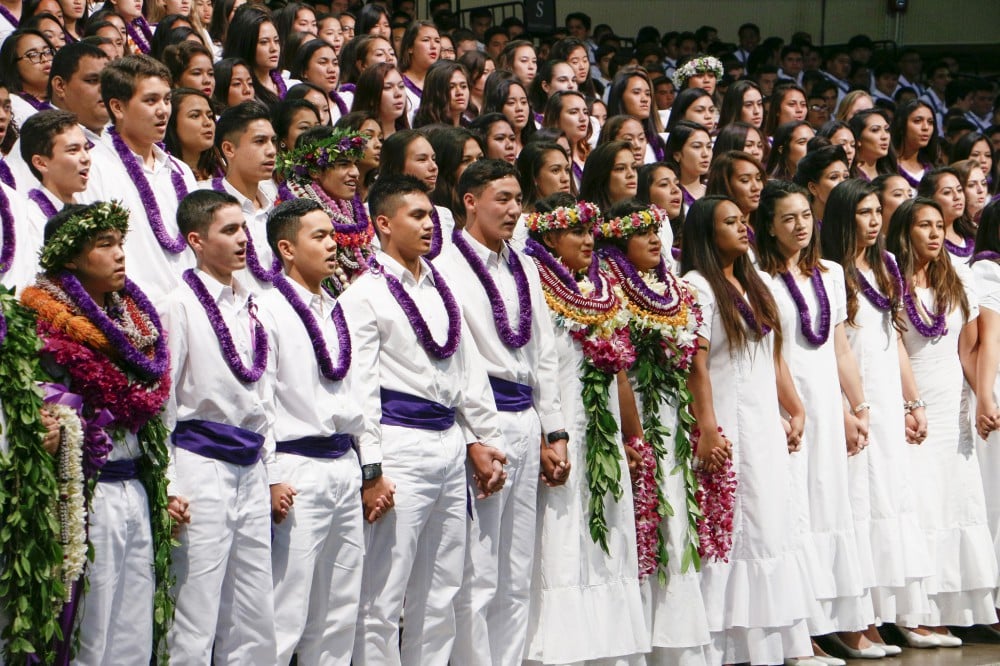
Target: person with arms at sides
811, 303
880, 483
416, 370
222, 447
246, 140
503, 304
663, 320
590, 521
318, 545
940, 337
121, 369
324, 168
819, 172
149, 182
54, 147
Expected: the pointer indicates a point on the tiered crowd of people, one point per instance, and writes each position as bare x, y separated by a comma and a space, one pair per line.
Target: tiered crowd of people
333, 335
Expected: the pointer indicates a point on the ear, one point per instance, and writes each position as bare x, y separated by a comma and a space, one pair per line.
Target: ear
382, 225
194, 241
813, 188
469, 199
58, 87
549, 240
40, 162
228, 149
117, 109
286, 249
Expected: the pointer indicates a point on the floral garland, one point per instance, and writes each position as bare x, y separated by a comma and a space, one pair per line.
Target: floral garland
749, 318
961, 251
701, 64
629, 225
225, 337
175, 244
665, 318
647, 496
716, 499
253, 259
326, 367
508, 335
72, 505
583, 214
68, 240
596, 319
43, 203
937, 326
31, 589
877, 299
815, 338
305, 161
279, 83
141, 37
7, 228
416, 319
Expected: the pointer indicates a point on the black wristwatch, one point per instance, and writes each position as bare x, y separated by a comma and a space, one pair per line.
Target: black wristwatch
371, 472
556, 436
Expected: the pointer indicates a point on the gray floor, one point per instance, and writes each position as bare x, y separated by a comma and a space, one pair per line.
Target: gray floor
978, 650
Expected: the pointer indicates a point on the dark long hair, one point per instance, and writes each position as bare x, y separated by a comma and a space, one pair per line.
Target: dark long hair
210, 160
495, 94
929, 154
988, 235
368, 94
435, 103
241, 42
682, 103
964, 226
777, 159
769, 256
700, 253
529, 164
644, 184
449, 148
732, 103
9, 76
616, 101
597, 172
774, 107
223, 77
885, 165
734, 137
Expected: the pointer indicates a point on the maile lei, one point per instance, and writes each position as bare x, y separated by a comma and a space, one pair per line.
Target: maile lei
253, 259
417, 321
815, 338
175, 244
596, 319
663, 323
31, 588
116, 359
326, 367
510, 337
225, 337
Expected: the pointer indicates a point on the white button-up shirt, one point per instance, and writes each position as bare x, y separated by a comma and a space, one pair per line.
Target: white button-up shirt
204, 387
536, 363
387, 354
24, 264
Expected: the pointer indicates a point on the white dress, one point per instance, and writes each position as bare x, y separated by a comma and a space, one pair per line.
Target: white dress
757, 602
819, 468
585, 604
951, 503
880, 482
987, 280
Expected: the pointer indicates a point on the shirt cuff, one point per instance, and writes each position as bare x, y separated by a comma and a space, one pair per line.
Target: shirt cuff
370, 454
551, 422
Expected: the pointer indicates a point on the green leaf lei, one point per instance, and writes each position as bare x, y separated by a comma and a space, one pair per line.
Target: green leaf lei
603, 458
31, 591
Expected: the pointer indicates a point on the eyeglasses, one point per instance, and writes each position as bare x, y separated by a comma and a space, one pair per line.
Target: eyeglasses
818, 108
38, 57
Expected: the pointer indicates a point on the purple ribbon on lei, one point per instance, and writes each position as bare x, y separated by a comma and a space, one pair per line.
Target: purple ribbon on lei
962, 251
984, 256
96, 442
34, 102
412, 87
339, 101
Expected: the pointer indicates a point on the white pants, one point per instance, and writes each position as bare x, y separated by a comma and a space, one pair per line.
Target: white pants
415, 552
116, 612
224, 593
316, 555
492, 607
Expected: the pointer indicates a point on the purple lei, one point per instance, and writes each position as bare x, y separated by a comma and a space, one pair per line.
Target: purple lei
412, 87
688, 198
654, 140
937, 327
357, 223
417, 321
279, 83
339, 101
34, 102
326, 367
877, 299
818, 338
6, 177
233, 360
534, 249
13, 20
253, 261
348, 87
748, 315
636, 289
914, 182
174, 245
148, 369
985, 256
358, 208
9, 233
510, 337
960, 250
43, 203
436, 236
142, 36
577, 172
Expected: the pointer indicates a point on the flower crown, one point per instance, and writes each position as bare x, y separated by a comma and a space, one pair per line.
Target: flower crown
308, 159
694, 66
583, 214
69, 239
629, 225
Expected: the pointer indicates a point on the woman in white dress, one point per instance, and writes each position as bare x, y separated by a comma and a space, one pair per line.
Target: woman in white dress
881, 491
755, 588
663, 323
940, 336
586, 606
812, 305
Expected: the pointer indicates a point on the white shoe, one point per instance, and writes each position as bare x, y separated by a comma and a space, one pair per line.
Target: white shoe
830, 661
915, 640
948, 639
873, 651
808, 661
890, 650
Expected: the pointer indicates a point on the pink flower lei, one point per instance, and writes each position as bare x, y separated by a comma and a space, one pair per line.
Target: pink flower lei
716, 498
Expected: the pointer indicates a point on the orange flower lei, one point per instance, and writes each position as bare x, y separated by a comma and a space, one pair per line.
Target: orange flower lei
77, 327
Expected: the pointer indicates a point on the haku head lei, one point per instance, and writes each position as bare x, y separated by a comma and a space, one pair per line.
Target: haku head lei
309, 159
699, 65
627, 226
583, 214
70, 238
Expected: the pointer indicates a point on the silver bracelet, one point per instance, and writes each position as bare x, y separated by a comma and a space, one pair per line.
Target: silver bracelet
910, 405
861, 407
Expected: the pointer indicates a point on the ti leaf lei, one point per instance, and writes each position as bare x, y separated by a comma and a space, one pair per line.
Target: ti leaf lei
31, 591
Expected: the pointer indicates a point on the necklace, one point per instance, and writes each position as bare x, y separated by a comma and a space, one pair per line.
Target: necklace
326, 367
9, 234
963, 251
986, 255
412, 87
253, 260
416, 319
176, 244
279, 83
43, 203
34, 102
14, 22
563, 293
436, 240
339, 101
748, 315
510, 337
637, 291
141, 37
232, 357
876, 298
937, 326
817, 338
6, 177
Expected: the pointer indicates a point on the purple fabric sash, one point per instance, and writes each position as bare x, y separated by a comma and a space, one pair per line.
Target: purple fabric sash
218, 441
328, 447
511, 396
410, 411
119, 470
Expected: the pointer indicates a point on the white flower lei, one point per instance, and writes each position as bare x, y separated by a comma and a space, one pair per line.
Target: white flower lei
683, 336
695, 65
71, 503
